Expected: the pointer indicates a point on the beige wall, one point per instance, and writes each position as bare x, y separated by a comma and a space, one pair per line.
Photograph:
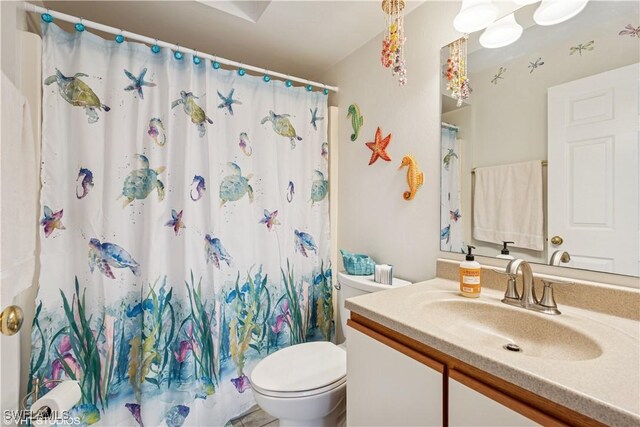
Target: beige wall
9, 42
373, 216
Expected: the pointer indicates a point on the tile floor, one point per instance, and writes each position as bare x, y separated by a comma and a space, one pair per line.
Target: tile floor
255, 417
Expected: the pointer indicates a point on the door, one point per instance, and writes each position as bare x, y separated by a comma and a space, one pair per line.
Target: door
594, 187
469, 408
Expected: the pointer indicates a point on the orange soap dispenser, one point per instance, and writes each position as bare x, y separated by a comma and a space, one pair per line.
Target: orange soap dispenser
470, 276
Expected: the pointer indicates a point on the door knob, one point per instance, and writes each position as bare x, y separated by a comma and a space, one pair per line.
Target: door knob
11, 320
557, 240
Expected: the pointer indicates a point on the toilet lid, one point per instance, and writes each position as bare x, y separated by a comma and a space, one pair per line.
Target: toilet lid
301, 367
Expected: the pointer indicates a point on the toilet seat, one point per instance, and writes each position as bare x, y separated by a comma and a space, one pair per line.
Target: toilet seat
295, 394
301, 370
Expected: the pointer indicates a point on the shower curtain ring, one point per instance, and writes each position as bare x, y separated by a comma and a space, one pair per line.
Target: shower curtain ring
177, 54
288, 82
241, 71
79, 26
215, 64
309, 86
120, 37
196, 58
46, 17
155, 48
266, 77
326, 90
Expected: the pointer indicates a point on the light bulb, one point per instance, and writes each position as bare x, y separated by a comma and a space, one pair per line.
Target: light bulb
475, 15
552, 12
501, 33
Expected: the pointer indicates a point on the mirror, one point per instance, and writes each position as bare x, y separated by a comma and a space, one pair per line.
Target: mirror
544, 151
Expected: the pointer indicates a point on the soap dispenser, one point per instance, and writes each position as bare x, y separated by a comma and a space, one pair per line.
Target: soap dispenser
470, 275
504, 254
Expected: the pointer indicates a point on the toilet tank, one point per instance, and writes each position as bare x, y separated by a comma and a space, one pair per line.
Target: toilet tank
352, 286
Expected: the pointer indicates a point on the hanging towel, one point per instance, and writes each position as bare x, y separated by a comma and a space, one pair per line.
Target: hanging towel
18, 194
508, 205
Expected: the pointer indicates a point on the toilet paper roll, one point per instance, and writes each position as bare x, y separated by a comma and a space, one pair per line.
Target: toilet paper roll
60, 399
383, 274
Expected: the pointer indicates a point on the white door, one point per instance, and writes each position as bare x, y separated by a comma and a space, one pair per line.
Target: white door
594, 187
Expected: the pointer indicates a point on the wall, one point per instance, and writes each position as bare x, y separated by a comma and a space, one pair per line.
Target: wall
373, 216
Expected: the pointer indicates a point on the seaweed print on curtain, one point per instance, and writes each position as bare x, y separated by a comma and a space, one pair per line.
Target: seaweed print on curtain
185, 230
451, 231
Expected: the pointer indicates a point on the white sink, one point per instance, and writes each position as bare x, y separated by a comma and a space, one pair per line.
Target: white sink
495, 326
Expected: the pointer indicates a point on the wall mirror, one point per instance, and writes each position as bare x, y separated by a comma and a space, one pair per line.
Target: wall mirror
544, 150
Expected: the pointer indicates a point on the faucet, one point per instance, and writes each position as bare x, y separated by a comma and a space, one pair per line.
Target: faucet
559, 256
528, 299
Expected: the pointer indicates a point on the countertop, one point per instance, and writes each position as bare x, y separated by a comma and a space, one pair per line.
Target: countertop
605, 388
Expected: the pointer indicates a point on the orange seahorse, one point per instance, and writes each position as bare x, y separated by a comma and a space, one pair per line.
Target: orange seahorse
415, 179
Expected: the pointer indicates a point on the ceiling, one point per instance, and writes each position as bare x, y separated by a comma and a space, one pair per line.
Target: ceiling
302, 38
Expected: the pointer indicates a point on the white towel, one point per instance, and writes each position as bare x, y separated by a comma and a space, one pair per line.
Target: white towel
18, 194
507, 205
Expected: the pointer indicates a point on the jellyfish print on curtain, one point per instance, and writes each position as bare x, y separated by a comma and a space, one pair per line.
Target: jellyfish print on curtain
185, 230
451, 231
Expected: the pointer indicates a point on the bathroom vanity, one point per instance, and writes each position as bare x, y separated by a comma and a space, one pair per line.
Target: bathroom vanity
423, 355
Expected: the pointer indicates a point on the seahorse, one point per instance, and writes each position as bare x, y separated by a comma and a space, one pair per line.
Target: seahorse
356, 120
415, 179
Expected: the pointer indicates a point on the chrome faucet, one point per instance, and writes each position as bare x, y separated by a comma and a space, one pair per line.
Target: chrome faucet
559, 256
528, 299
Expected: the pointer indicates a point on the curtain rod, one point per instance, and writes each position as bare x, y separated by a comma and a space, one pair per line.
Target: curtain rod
148, 40
449, 125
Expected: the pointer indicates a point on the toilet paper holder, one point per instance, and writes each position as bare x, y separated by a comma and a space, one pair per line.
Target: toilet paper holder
35, 392
55, 403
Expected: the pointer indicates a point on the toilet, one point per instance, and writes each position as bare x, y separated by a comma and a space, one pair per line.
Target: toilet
305, 385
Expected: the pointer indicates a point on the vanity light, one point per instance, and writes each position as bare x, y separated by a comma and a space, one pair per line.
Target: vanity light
501, 33
553, 12
475, 15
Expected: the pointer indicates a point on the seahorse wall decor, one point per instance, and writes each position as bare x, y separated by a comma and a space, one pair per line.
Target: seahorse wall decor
356, 120
415, 178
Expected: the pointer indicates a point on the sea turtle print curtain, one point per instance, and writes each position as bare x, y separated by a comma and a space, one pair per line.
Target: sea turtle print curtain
451, 220
184, 231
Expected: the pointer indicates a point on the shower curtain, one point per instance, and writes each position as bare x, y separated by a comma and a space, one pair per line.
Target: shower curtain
451, 231
184, 231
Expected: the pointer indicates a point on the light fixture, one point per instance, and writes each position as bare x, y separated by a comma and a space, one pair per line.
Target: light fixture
552, 12
501, 33
525, 2
475, 15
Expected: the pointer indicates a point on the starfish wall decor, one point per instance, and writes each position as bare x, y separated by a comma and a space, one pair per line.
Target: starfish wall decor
379, 147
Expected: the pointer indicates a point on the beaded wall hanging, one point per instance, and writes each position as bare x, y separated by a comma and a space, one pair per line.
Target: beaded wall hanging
457, 79
393, 41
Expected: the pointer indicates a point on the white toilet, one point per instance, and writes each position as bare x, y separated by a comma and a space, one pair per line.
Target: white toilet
305, 385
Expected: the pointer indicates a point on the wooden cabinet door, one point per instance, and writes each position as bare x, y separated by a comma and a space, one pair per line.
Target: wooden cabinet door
468, 407
388, 388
